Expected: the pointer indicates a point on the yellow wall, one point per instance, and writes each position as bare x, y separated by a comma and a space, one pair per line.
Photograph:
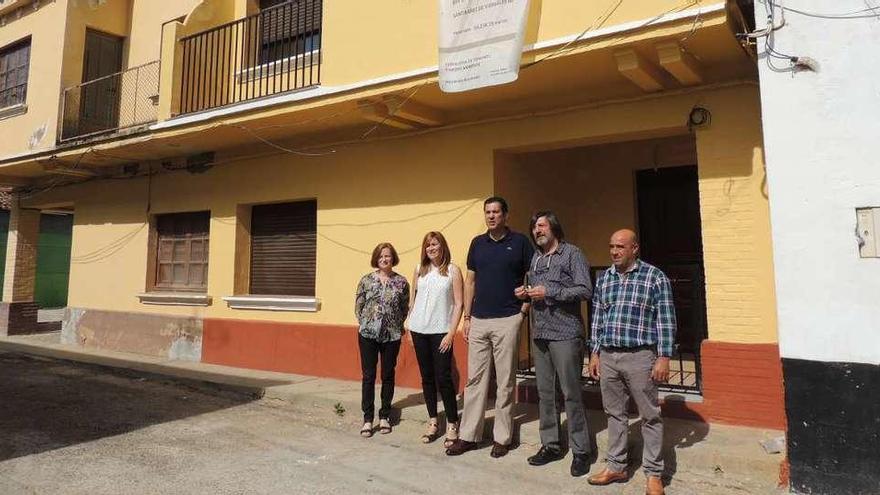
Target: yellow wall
591, 189
146, 30
381, 27
737, 246
44, 26
395, 190
360, 41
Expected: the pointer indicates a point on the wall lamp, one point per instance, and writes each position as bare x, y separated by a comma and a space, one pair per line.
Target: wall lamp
699, 118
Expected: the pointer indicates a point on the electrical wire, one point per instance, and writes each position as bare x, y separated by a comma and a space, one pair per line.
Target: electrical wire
599, 22
391, 113
866, 13
282, 148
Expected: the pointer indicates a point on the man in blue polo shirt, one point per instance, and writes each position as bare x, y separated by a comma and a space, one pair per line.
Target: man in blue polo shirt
497, 262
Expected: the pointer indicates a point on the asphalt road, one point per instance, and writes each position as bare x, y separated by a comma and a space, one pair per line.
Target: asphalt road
76, 429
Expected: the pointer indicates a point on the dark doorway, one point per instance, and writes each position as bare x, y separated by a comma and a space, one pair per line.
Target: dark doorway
671, 239
99, 100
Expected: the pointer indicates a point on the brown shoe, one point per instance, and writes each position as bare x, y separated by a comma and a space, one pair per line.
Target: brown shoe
606, 477
654, 486
460, 446
499, 450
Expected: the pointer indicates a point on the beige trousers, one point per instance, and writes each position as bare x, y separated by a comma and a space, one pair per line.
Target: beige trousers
492, 341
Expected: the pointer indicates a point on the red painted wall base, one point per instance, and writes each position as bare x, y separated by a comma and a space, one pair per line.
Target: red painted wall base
307, 349
742, 383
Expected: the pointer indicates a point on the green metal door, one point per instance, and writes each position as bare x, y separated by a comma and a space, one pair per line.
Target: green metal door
53, 260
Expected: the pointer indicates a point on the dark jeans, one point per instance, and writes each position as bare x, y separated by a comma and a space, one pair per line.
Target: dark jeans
436, 370
371, 350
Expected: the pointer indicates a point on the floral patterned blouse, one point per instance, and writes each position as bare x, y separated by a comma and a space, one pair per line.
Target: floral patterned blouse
381, 307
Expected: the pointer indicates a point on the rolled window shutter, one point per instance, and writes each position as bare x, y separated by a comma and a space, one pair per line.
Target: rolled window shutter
283, 249
286, 19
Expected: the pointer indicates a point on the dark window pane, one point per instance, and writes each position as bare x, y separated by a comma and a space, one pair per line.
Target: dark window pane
182, 250
14, 60
179, 272
164, 274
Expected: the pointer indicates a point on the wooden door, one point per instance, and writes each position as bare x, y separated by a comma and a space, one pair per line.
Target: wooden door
671, 239
99, 99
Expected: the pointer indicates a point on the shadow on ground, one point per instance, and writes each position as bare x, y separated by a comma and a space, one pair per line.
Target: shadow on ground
49, 404
678, 433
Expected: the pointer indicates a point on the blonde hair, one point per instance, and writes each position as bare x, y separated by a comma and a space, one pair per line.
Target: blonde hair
445, 255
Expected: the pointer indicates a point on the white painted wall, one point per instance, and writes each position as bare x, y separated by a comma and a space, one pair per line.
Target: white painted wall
822, 144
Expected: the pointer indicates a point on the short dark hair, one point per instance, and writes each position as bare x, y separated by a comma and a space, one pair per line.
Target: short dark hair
374, 260
496, 199
552, 219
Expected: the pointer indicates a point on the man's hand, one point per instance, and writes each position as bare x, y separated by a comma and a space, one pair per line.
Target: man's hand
537, 293
660, 373
593, 367
520, 293
466, 329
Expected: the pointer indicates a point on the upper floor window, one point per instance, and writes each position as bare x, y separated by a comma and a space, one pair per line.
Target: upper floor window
14, 60
289, 28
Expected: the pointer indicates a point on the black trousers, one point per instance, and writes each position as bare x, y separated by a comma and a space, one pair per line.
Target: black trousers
371, 351
436, 370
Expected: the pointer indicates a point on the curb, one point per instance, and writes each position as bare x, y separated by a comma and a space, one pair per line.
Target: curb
159, 370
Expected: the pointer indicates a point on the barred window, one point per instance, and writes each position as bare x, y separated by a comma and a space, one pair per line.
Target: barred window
182, 251
14, 61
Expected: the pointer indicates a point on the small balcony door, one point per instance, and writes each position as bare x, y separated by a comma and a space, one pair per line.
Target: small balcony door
99, 101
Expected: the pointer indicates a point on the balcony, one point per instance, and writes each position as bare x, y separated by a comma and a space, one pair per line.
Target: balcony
112, 103
274, 51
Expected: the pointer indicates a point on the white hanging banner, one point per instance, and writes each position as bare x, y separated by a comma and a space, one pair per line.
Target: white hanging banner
480, 42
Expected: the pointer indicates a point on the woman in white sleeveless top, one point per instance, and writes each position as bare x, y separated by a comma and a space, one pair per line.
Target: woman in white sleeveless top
433, 320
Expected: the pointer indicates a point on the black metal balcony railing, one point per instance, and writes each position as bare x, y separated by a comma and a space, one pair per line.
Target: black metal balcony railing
110, 103
275, 51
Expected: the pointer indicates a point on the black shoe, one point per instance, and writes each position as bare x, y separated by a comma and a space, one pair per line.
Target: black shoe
580, 464
498, 450
459, 447
545, 455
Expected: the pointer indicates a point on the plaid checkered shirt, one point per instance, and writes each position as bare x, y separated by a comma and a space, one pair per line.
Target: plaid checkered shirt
634, 309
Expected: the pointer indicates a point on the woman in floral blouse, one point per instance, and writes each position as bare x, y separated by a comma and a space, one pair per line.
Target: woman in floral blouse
381, 306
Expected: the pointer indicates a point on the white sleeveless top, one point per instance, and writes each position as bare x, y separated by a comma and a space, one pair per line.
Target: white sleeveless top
432, 309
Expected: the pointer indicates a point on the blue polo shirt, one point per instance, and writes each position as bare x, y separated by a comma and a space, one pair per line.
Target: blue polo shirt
500, 267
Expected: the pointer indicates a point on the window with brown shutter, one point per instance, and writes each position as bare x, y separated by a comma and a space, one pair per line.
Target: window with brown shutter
283, 244
14, 61
182, 251
289, 28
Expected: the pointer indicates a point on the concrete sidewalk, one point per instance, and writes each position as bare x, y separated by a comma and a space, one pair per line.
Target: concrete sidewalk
701, 458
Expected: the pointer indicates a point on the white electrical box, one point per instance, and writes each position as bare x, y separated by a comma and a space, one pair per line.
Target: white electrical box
868, 231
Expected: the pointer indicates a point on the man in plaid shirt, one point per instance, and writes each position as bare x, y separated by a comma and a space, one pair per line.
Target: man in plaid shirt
633, 333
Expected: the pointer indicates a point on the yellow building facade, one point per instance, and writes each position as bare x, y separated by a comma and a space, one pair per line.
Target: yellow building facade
621, 109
